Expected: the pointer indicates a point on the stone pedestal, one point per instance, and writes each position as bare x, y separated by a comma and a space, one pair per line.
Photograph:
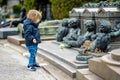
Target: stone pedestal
107, 67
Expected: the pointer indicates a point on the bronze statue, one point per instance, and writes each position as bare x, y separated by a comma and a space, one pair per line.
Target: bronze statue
74, 33
116, 31
102, 38
91, 29
62, 31
99, 43
102, 4
16, 22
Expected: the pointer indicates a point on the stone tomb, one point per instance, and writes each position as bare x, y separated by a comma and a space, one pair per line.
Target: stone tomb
4, 32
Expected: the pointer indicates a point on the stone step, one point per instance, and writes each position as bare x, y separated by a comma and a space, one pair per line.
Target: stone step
18, 40
105, 71
57, 73
63, 59
85, 74
4, 32
58, 63
66, 55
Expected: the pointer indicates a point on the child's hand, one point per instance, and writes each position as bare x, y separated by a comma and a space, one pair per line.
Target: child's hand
34, 41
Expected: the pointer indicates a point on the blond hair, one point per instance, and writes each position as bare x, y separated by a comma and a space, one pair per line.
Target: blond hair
34, 15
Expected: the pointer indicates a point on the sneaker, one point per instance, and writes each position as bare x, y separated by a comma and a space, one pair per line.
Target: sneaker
31, 68
36, 65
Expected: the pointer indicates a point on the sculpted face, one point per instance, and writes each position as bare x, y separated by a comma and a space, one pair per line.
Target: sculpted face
73, 22
102, 28
90, 25
105, 26
65, 23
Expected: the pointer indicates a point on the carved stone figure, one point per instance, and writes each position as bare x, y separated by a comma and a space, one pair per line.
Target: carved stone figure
62, 31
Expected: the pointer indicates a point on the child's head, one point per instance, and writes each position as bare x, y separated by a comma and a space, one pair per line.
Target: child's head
34, 15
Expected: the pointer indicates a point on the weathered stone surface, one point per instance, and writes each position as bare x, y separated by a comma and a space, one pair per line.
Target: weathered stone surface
4, 32
62, 58
109, 60
115, 54
105, 71
85, 74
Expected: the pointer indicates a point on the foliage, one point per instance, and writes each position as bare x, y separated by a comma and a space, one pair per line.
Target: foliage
61, 8
29, 4
1, 1
17, 8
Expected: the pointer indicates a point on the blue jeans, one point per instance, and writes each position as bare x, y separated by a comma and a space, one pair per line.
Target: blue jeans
33, 51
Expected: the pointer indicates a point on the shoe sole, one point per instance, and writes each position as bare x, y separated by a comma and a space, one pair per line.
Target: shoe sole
31, 69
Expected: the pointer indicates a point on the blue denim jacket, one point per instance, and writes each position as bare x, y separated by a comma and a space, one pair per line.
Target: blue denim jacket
31, 32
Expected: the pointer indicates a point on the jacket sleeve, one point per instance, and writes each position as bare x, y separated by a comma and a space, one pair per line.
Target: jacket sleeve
28, 32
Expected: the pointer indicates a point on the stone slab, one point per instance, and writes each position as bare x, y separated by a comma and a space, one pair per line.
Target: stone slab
4, 32
85, 74
105, 71
61, 58
66, 55
16, 40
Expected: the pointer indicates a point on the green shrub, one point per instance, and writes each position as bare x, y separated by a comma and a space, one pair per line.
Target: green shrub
1, 1
61, 8
29, 4
17, 8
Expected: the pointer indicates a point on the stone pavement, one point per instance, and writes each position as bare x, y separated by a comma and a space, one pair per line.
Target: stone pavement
13, 67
